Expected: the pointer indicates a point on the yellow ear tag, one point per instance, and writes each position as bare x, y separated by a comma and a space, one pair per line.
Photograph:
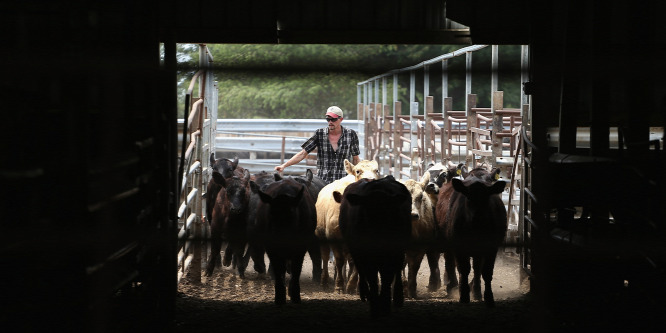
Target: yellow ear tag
497, 176
458, 172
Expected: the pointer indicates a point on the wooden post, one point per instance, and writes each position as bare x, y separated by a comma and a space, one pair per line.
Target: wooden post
471, 122
497, 104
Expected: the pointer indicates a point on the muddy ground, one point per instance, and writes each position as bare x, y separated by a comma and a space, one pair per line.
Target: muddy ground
224, 302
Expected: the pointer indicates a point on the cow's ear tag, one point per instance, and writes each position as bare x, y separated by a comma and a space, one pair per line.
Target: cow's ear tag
458, 172
497, 176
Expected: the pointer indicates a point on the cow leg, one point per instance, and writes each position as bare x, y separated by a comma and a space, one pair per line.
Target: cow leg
477, 263
294, 283
239, 253
463, 268
228, 255
450, 279
325, 256
373, 289
384, 301
256, 252
433, 263
414, 260
279, 269
398, 292
315, 257
488, 266
215, 248
352, 284
339, 263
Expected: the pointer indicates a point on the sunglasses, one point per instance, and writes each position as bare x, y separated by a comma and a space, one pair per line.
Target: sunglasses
332, 119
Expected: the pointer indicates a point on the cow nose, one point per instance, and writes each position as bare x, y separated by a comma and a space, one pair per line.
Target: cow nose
415, 216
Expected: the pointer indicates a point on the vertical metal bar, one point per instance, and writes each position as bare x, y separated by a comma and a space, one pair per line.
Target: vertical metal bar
468, 75
445, 82
524, 71
413, 149
494, 67
412, 87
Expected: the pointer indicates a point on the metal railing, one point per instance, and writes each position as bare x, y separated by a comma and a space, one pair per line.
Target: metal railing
197, 142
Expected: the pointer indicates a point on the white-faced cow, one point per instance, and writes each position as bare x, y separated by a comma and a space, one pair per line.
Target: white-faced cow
424, 231
328, 227
375, 223
475, 227
286, 220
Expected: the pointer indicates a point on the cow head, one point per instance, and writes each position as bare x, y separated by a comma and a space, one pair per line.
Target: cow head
363, 170
438, 175
419, 196
223, 166
477, 188
282, 194
238, 192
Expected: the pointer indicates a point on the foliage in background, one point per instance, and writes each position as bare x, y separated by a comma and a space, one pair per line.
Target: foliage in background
301, 81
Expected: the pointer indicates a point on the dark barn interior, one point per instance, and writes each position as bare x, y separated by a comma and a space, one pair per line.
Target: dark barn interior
89, 143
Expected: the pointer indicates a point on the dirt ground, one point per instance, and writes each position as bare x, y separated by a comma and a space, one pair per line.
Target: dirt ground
226, 302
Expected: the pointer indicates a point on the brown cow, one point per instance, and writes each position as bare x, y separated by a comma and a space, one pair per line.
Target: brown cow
229, 219
475, 227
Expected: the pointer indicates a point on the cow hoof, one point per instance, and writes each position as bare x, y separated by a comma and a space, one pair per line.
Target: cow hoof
489, 299
464, 298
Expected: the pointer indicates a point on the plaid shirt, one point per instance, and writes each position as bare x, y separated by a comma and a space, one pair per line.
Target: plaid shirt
330, 163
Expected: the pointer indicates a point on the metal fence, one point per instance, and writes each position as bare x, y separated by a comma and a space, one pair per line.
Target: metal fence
197, 139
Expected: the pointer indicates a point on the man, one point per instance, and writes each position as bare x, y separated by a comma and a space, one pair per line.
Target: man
334, 145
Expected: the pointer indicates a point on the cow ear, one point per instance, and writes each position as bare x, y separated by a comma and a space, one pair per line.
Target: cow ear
265, 197
442, 178
254, 187
277, 177
459, 186
337, 196
299, 196
425, 179
463, 170
219, 179
308, 175
498, 187
246, 175
496, 174
349, 167
212, 159
234, 164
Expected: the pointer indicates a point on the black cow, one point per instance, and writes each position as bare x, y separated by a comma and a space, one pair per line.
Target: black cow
375, 221
285, 224
229, 221
314, 184
255, 249
474, 228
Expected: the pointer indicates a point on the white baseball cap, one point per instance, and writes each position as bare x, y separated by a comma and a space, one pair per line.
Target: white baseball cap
334, 112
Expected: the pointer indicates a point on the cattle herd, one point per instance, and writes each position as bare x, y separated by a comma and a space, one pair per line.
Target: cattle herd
375, 226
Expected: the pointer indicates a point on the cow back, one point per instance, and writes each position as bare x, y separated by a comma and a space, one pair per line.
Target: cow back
375, 215
285, 214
